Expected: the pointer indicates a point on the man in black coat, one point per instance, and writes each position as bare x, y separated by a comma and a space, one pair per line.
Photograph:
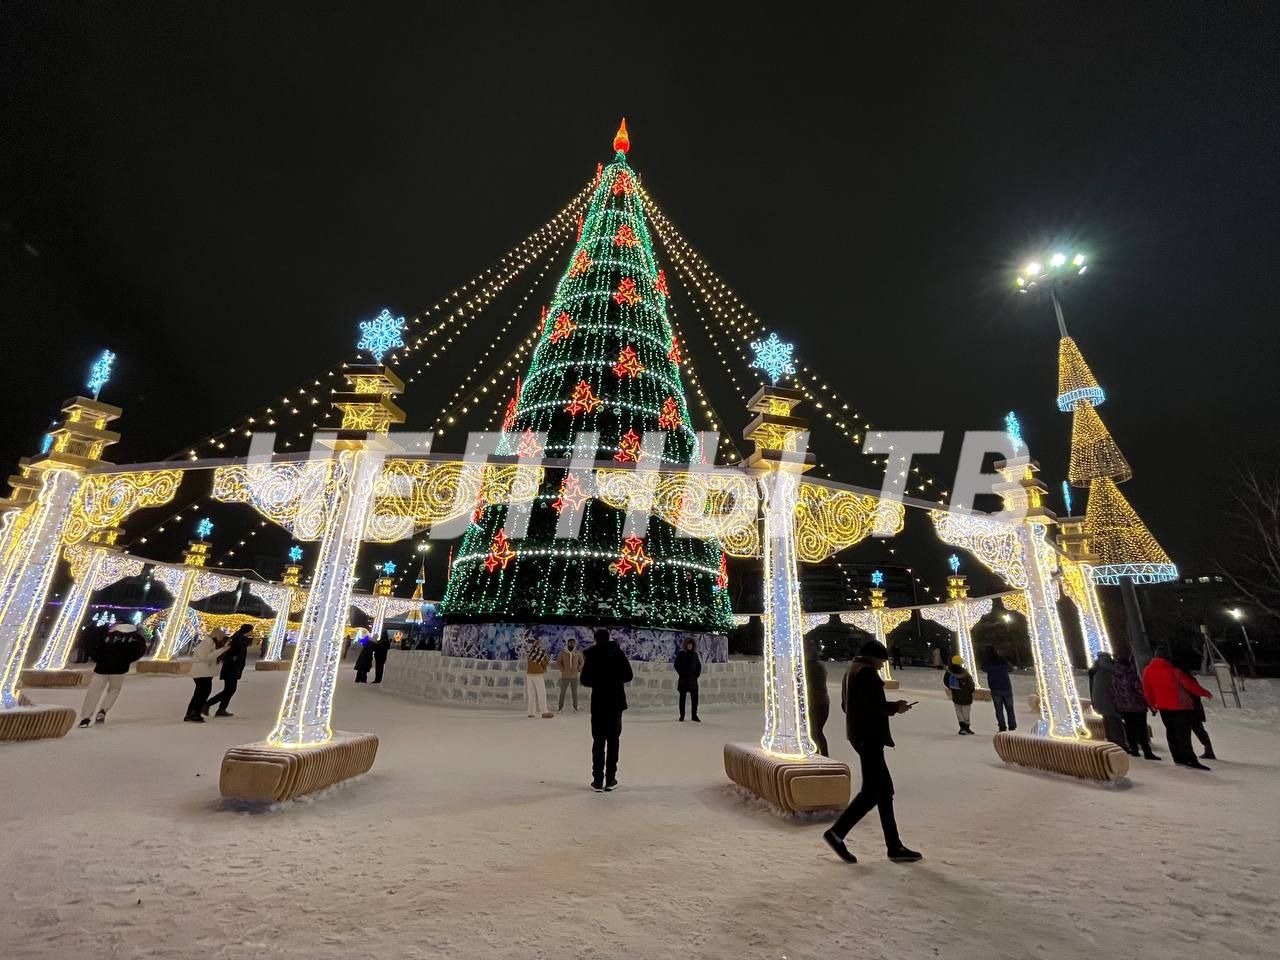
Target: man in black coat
113, 652
688, 669
380, 647
606, 671
233, 662
867, 715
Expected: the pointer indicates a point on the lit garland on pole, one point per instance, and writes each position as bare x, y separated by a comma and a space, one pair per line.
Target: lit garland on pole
602, 366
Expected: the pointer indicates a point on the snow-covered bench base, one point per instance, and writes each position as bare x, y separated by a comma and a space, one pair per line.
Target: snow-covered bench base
163, 666
791, 786
36, 723
270, 774
1087, 759
272, 665
55, 678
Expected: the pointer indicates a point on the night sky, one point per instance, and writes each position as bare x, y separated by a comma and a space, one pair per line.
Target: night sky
218, 192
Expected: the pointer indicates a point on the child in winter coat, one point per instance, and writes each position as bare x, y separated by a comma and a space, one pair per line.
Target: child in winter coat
960, 682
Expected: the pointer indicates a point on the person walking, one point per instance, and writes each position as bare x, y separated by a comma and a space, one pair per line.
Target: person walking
535, 680
204, 664
1000, 684
112, 652
817, 698
1102, 694
606, 673
866, 717
1126, 692
381, 646
364, 655
233, 661
688, 669
1172, 692
959, 681
1198, 720
569, 662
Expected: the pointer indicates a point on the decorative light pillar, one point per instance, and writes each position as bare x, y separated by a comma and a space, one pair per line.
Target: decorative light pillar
180, 582
879, 621
95, 566
367, 411
284, 608
76, 446
381, 591
778, 462
1079, 586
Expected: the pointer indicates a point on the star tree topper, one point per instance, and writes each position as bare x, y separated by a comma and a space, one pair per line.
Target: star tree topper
773, 357
877, 578
380, 335
100, 373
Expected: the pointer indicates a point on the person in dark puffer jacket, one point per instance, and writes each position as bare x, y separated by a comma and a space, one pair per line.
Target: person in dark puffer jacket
112, 653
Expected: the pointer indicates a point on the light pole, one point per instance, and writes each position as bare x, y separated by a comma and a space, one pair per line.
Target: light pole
1238, 616
1049, 276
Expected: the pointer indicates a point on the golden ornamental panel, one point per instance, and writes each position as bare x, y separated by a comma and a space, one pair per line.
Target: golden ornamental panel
828, 521
107, 499
295, 496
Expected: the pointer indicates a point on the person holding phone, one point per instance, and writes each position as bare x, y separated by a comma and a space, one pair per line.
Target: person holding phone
867, 714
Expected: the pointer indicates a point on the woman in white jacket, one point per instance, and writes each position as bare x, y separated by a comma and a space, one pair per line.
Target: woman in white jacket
204, 665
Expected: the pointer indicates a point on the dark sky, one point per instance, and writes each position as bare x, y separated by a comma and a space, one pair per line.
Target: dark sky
220, 191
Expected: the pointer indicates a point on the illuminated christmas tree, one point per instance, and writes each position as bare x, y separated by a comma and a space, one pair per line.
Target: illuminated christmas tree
604, 375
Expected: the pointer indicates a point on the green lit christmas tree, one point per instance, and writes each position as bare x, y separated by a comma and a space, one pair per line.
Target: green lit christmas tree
606, 364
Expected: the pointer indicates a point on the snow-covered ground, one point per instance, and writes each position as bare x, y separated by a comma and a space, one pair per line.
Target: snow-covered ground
475, 836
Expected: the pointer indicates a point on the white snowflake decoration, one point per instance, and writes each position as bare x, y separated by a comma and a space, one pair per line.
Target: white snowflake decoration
381, 335
773, 357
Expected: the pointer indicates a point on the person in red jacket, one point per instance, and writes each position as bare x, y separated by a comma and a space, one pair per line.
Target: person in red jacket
1172, 692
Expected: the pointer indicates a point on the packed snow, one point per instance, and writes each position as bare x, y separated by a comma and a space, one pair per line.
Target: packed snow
475, 836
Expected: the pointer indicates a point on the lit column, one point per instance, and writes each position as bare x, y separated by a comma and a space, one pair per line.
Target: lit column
280, 629
307, 707
779, 462
101, 566
180, 582
1079, 586
381, 591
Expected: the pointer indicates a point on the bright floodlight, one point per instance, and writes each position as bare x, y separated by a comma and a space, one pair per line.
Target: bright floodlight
1236, 613
1058, 259
1078, 260
1033, 268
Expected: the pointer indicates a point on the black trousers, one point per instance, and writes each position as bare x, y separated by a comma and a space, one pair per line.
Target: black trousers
1197, 727
1135, 731
693, 695
817, 722
1003, 703
605, 731
1177, 727
225, 694
201, 694
876, 791
378, 664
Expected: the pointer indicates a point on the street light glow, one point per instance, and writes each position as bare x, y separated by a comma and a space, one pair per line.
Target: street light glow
1236, 613
1033, 268
1058, 259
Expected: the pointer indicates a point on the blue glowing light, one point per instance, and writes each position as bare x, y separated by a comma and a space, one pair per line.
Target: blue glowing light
100, 372
1013, 429
877, 578
204, 528
954, 563
46, 443
388, 568
1093, 396
380, 335
295, 554
773, 357
1066, 496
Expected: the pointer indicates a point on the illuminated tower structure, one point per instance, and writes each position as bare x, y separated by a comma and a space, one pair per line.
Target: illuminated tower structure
879, 621
959, 615
603, 384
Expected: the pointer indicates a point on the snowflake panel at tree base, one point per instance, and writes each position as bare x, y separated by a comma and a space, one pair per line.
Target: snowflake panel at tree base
511, 641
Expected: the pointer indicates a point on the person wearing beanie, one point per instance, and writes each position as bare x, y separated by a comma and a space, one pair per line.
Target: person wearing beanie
867, 714
959, 681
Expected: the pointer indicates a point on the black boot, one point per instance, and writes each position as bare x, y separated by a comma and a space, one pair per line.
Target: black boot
836, 843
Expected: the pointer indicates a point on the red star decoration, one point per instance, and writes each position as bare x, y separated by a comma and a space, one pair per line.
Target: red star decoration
571, 495
623, 184
529, 446
669, 418
625, 237
500, 553
509, 418
583, 399
627, 295
674, 354
661, 283
630, 451
633, 558
563, 327
628, 364
581, 263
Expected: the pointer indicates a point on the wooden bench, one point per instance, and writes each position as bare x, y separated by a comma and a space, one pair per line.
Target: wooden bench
163, 666
788, 785
265, 773
36, 723
55, 678
1086, 759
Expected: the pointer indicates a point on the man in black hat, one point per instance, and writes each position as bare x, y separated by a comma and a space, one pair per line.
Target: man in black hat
867, 715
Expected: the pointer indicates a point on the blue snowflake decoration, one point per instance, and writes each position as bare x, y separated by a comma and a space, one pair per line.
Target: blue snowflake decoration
204, 528
47, 443
773, 357
380, 335
954, 563
100, 372
1013, 429
877, 578
295, 554
1066, 496
388, 569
